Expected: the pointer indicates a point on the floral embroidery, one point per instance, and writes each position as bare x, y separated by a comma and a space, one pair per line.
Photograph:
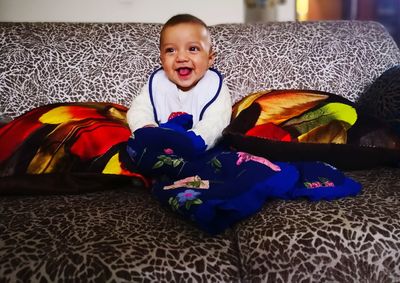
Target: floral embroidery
245, 157
189, 182
168, 151
168, 160
323, 182
216, 164
186, 198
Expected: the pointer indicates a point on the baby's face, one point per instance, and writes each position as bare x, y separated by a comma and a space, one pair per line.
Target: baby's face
185, 52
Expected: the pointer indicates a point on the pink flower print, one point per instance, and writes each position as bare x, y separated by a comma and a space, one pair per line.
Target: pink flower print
245, 157
168, 151
316, 184
329, 184
326, 182
312, 185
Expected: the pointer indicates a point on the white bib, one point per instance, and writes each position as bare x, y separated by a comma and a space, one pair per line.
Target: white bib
166, 97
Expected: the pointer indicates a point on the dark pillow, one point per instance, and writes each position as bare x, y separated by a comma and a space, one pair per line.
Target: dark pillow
67, 147
299, 125
382, 98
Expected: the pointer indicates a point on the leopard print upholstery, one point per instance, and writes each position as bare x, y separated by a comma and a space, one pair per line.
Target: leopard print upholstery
338, 57
347, 240
43, 63
124, 235
111, 236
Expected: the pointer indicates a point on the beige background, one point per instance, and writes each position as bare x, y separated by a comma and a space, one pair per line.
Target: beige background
211, 11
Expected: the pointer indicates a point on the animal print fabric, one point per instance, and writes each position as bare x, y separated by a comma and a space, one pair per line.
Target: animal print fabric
353, 239
339, 57
110, 236
125, 236
44, 63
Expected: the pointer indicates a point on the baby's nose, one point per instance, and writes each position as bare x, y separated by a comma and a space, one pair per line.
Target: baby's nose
181, 56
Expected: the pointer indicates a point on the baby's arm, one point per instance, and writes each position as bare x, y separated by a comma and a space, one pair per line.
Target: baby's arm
215, 119
140, 114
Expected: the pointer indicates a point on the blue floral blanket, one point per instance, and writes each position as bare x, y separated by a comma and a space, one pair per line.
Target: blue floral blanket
219, 187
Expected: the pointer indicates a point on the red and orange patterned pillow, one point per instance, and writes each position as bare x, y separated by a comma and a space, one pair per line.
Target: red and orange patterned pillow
79, 143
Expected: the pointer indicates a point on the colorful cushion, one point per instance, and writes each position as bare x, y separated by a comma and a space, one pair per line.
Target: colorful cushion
299, 125
73, 147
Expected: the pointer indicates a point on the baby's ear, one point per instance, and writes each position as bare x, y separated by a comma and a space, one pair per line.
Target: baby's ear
161, 61
211, 58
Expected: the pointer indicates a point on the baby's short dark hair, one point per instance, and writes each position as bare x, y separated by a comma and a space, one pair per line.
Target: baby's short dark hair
182, 19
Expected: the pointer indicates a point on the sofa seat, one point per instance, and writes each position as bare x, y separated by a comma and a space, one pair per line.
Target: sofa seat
354, 239
109, 236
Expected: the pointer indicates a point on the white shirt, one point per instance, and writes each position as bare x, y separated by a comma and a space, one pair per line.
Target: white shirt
209, 102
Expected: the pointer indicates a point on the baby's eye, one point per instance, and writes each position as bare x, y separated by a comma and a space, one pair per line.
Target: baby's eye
194, 48
169, 50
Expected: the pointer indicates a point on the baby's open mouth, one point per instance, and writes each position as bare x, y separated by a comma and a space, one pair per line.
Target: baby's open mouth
184, 71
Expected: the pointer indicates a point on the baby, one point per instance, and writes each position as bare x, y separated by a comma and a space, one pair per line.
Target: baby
186, 84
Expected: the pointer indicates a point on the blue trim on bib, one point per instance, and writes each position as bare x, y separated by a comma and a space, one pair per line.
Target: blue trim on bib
151, 94
216, 94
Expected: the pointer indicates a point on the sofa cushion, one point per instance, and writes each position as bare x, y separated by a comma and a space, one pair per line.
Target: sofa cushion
347, 240
293, 125
119, 235
72, 146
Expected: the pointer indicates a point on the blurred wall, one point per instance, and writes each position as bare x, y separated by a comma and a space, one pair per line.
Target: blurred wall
286, 11
325, 10
158, 11
269, 11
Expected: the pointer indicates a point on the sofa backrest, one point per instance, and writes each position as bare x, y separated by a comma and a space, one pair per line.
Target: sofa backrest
341, 57
43, 63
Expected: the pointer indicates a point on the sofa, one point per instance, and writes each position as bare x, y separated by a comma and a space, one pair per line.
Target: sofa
122, 234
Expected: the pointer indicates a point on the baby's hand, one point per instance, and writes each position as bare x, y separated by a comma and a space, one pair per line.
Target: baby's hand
180, 123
